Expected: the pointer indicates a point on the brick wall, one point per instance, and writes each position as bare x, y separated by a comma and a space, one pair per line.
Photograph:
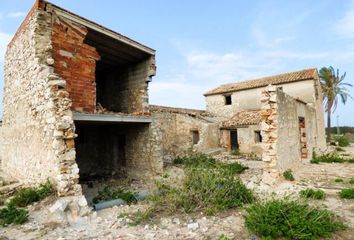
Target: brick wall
75, 62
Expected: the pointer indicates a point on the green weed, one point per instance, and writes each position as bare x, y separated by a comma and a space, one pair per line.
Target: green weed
313, 194
351, 181
342, 141
338, 180
347, 193
12, 214
331, 158
288, 175
26, 196
205, 161
109, 193
284, 219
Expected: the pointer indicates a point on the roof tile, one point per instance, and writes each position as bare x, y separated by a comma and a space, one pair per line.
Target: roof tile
305, 74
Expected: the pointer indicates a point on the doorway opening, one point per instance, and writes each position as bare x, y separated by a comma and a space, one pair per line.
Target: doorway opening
234, 140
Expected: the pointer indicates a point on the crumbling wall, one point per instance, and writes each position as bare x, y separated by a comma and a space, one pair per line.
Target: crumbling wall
281, 132
125, 90
175, 126
75, 62
37, 127
246, 140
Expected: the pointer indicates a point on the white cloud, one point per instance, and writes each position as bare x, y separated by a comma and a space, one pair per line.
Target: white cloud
345, 26
15, 14
5, 38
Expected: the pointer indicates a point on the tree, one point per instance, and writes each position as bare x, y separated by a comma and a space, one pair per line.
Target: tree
333, 87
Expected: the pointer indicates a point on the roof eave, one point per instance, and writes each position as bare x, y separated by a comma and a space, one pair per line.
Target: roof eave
99, 28
248, 88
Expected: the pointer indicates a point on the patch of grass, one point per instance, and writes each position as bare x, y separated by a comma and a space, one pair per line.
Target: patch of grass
331, 158
208, 186
142, 216
338, 180
351, 181
109, 193
342, 141
204, 161
12, 214
26, 196
288, 175
236, 152
347, 193
223, 237
313, 194
290, 220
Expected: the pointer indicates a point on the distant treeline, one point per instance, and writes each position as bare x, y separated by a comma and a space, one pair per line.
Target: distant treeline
343, 129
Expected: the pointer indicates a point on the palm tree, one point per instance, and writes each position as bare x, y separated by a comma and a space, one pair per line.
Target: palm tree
332, 86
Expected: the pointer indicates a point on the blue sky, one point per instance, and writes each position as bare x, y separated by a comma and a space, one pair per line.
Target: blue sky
202, 43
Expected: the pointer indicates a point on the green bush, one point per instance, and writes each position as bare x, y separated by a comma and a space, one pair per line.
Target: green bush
12, 214
288, 175
313, 193
208, 186
347, 193
217, 189
338, 180
331, 158
342, 141
205, 161
351, 181
26, 196
290, 220
109, 193
236, 152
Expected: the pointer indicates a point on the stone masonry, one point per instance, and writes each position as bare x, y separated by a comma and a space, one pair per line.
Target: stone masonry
37, 124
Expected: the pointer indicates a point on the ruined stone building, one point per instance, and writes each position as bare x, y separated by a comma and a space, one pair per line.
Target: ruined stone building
76, 108
279, 117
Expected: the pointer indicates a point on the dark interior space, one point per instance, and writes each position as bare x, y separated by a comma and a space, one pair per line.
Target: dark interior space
114, 74
100, 151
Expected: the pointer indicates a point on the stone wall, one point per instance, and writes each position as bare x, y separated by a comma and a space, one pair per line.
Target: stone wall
247, 140
281, 131
125, 90
38, 129
175, 126
250, 99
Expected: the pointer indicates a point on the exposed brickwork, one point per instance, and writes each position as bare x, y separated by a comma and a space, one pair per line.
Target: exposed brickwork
75, 62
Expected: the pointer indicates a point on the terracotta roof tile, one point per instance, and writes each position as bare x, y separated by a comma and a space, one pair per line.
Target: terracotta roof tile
243, 118
305, 74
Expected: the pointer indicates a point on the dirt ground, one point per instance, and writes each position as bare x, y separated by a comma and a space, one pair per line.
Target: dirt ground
105, 224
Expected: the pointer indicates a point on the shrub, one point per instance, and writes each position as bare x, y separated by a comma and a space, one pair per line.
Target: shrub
339, 149
313, 193
236, 152
290, 220
12, 214
217, 189
347, 193
109, 193
208, 186
223, 237
338, 180
351, 181
26, 196
205, 161
288, 175
331, 158
342, 141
